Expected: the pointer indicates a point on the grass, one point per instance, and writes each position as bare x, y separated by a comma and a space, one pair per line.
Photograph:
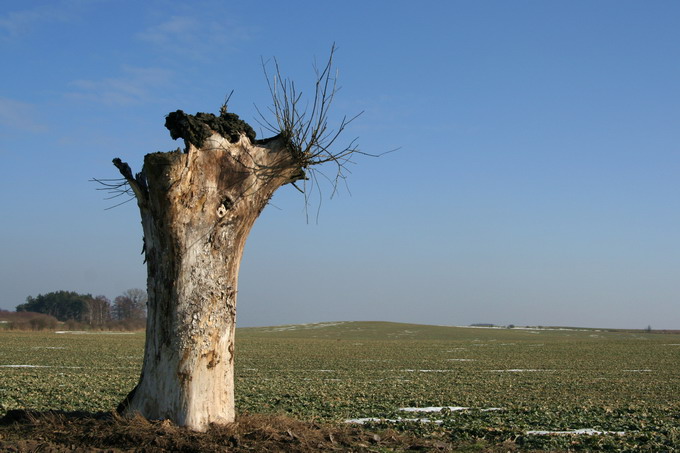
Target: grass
542, 380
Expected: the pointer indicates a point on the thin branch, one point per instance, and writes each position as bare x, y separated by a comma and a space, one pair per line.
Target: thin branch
130, 185
311, 139
118, 187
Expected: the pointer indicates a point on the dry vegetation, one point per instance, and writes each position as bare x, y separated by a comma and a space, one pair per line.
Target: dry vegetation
11, 320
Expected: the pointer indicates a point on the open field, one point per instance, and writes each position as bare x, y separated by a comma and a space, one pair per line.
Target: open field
537, 389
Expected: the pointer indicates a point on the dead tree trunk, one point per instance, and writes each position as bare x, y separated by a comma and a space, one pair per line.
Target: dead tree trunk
197, 208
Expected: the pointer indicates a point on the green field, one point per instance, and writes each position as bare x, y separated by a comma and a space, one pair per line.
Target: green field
625, 385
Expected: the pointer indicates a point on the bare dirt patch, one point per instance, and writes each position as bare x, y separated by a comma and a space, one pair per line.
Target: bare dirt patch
55, 431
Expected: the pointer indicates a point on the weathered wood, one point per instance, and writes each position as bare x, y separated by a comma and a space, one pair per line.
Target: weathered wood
197, 209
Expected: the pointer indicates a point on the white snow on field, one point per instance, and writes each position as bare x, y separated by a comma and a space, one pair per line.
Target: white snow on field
638, 371
439, 409
480, 327
433, 409
48, 347
24, 366
428, 371
101, 332
585, 431
38, 366
318, 325
517, 370
671, 344
461, 360
69, 367
361, 421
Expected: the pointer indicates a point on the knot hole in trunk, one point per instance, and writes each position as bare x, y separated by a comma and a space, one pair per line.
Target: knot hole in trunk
226, 205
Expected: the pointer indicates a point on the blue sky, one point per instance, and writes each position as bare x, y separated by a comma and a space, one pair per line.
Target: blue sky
536, 181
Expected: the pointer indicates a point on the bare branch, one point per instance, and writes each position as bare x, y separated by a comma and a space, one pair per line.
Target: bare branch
117, 188
133, 186
311, 139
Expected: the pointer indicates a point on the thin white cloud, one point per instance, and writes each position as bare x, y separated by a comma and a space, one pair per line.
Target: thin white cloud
17, 23
18, 115
170, 31
133, 86
195, 37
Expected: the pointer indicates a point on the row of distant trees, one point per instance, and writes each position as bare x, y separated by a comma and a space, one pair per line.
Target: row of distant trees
128, 309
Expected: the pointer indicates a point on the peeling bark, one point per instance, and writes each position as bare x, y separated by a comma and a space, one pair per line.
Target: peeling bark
197, 209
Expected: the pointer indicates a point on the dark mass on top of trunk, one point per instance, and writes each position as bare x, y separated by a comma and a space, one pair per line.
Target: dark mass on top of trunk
197, 128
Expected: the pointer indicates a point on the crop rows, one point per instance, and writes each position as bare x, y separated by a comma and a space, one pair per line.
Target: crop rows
517, 385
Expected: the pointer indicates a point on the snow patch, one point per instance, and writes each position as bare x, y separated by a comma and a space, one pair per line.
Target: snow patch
518, 370
24, 366
585, 431
451, 408
83, 332
42, 366
69, 367
361, 421
560, 329
433, 409
318, 325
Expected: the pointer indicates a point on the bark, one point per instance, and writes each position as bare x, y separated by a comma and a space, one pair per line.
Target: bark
197, 209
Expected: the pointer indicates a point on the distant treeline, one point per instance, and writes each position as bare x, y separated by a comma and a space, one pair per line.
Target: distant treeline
46, 311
